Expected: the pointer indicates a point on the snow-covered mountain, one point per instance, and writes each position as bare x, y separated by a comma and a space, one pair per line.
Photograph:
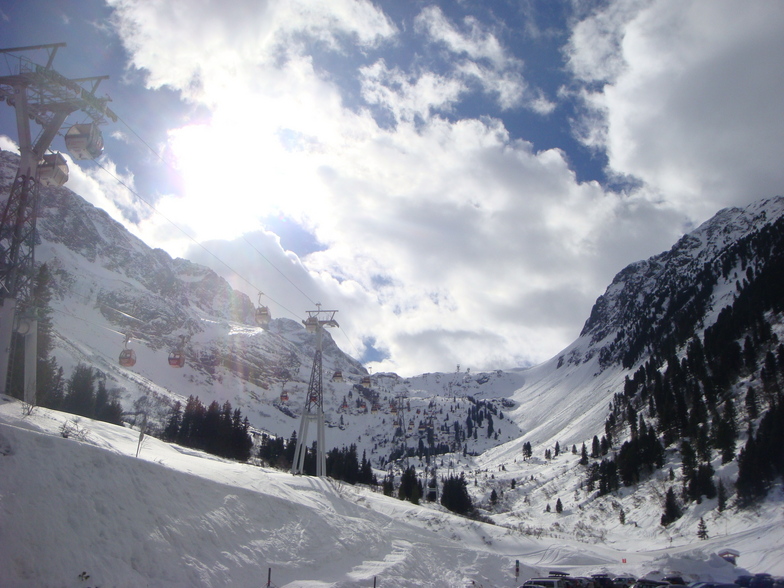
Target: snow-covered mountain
108, 283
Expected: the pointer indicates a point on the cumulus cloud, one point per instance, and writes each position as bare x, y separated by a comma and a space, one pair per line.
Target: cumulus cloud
685, 97
482, 59
445, 240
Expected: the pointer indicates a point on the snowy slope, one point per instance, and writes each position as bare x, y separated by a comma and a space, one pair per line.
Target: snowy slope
174, 517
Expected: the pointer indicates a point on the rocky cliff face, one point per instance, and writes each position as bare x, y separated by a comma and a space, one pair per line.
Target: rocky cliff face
108, 283
664, 300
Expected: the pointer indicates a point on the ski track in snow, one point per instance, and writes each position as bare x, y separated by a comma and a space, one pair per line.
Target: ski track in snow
176, 517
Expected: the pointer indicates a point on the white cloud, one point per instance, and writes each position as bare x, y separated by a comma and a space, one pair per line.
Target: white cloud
688, 97
476, 42
446, 241
408, 96
482, 59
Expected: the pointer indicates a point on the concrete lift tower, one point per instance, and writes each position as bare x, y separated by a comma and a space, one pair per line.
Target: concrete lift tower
314, 405
45, 97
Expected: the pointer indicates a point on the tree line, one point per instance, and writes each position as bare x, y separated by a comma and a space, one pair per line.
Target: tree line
216, 429
698, 400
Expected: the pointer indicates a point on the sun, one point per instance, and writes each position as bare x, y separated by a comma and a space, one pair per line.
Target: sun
243, 166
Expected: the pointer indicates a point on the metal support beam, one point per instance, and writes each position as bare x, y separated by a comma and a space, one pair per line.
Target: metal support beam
41, 94
314, 404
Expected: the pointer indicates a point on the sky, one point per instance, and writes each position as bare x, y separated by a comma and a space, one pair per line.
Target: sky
460, 180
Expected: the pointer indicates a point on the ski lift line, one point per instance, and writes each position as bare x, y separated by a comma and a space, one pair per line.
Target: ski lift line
145, 143
264, 257
88, 322
121, 312
189, 236
350, 342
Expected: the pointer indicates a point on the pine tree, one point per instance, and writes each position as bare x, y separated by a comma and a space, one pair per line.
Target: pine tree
722, 497
408, 489
702, 530
493, 497
454, 495
751, 403
80, 398
672, 512
173, 424
558, 506
595, 448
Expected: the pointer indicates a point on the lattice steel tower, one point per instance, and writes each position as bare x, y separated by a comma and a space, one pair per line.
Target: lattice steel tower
314, 405
43, 96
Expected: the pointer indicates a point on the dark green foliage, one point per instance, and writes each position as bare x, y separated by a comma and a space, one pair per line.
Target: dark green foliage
388, 485
273, 451
751, 403
721, 495
81, 397
410, 488
605, 474
596, 451
701, 484
762, 458
107, 406
454, 495
692, 401
583, 456
702, 529
641, 454
726, 432
174, 423
51, 385
558, 506
672, 511
343, 464
216, 429
527, 451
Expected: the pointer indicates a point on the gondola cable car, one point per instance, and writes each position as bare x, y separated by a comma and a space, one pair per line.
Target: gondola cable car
263, 315
84, 141
127, 356
311, 324
53, 170
177, 356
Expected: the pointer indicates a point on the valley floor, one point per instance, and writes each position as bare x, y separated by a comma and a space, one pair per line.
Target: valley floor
84, 511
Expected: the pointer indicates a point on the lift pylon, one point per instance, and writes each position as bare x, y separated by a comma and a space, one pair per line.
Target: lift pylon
314, 403
41, 95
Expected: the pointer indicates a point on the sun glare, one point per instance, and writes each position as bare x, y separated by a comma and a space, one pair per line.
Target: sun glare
235, 174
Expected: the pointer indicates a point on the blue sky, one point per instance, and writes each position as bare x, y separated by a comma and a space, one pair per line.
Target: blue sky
460, 179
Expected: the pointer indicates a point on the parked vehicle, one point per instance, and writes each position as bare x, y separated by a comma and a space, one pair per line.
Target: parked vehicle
646, 583
602, 581
624, 581
552, 582
761, 581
